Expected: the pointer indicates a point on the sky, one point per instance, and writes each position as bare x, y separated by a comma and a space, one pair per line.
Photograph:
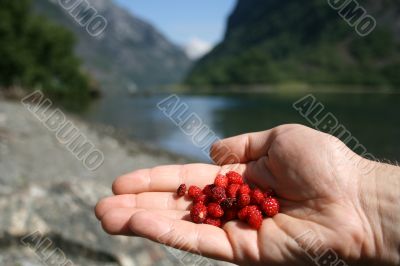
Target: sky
195, 25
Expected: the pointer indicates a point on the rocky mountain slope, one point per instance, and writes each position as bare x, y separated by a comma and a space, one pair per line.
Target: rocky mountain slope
275, 41
130, 52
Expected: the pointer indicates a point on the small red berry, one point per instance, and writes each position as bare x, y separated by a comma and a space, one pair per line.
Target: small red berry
243, 213
255, 219
218, 194
244, 189
198, 213
254, 208
234, 178
232, 190
214, 210
202, 198
207, 189
270, 206
194, 192
243, 200
257, 196
221, 181
181, 190
212, 221
228, 203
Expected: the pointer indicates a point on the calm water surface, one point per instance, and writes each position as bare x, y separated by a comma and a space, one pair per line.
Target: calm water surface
374, 119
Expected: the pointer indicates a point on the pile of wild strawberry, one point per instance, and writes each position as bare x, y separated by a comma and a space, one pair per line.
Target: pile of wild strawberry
229, 198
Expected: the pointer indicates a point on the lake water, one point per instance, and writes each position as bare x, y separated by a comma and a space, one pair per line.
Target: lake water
374, 119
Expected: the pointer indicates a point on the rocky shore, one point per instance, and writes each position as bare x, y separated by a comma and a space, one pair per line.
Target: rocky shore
45, 190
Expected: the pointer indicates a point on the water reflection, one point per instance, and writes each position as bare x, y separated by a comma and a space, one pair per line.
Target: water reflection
372, 118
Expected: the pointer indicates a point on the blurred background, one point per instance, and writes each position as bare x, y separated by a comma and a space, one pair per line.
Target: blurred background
238, 64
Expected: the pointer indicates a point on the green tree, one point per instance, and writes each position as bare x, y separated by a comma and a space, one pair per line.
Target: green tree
35, 53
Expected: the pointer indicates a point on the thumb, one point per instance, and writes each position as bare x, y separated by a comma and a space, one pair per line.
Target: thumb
243, 148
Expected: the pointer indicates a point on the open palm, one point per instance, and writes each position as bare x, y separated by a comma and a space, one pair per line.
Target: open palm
315, 176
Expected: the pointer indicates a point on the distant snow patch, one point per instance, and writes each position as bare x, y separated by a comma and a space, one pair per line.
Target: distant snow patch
196, 48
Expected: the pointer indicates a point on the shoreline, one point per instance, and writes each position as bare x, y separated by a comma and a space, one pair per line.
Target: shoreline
132, 144
110, 131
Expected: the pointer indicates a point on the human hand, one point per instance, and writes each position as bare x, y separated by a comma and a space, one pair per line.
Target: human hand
320, 184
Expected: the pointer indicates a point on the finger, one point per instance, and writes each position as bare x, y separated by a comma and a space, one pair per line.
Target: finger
245, 148
147, 200
116, 221
165, 178
207, 240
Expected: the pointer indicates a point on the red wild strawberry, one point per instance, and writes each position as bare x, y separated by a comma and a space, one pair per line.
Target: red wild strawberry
244, 200
198, 213
218, 194
212, 221
255, 219
244, 213
232, 190
257, 196
270, 206
207, 189
221, 181
214, 210
254, 208
228, 203
194, 192
234, 178
201, 199
181, 190
244, 189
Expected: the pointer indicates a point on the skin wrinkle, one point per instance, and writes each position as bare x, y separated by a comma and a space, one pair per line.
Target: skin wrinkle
246, 155
264, 160
233, 256
169, 205
382, 210
148, 179
354, 235
133, 201
378, 240
367, 227
168, 241
252, 168
310, 214
236, 245
332, 167
217, 156
199, 241
259, 241
284, 232
361, 242
228, 235
310, 219
381, 237
269, 172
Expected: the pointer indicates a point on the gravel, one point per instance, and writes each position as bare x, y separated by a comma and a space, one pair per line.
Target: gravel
45, 189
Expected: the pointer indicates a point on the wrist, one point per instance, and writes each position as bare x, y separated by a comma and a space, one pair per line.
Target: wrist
380, 200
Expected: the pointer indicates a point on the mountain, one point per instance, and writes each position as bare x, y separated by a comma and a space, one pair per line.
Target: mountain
291, 41
130, 53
